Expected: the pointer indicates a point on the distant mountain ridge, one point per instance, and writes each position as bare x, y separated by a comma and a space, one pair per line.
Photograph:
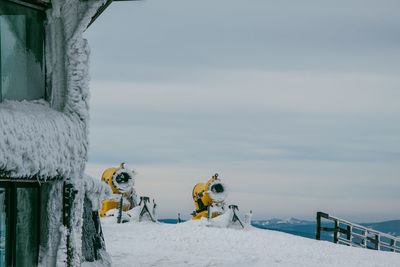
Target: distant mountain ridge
292, 226
276, 221
389, 227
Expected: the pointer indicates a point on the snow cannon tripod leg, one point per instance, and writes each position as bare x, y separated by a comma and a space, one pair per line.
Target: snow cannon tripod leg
144, 200
235, 218
145, 209
121, 203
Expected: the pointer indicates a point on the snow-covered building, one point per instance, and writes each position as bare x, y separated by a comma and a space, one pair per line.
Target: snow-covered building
48, 207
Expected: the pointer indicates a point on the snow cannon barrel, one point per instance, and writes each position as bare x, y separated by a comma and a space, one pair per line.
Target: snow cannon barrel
207, 194
121, 180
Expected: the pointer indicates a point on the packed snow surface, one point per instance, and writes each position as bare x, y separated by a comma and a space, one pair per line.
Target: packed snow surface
194, 244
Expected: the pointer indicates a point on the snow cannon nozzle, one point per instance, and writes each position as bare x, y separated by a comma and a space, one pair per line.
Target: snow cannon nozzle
216, 190
121, 180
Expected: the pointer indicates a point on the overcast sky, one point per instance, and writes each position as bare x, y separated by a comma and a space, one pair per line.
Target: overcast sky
294, 103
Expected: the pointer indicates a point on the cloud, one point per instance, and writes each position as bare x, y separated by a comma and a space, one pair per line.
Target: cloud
248, 116
269, 35
296, 104
258, 90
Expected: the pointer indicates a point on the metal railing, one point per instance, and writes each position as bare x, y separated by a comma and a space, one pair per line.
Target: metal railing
355, 235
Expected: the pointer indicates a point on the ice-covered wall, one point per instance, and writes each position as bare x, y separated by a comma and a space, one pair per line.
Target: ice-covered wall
67, 65
46, 140
68, 54
40, 140
37, 141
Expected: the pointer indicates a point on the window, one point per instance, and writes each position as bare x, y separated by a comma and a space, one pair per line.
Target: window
19, 224
21, 52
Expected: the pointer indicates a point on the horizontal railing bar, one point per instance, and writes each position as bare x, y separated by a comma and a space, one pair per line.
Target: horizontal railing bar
362, 237
372, 240
327, 229
360, 227
390, 236
386, 244
343, 231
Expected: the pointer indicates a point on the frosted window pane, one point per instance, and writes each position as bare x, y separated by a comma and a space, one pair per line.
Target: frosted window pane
27, 227
13, 57
21, 52
3, 227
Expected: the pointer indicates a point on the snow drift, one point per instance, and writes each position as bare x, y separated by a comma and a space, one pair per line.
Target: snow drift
194, 244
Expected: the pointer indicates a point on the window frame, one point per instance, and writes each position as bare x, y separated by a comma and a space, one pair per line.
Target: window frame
11, 211
42, 9
37, 6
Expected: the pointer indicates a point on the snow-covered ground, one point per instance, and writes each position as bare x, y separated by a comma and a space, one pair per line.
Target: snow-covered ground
194, 244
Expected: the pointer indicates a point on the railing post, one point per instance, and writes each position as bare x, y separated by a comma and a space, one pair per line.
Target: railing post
364, 241
377, 239
335, 233
392, 245
318, 230
349, 234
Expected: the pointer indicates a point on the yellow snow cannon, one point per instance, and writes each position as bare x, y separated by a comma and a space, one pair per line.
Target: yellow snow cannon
121, 181
207, 195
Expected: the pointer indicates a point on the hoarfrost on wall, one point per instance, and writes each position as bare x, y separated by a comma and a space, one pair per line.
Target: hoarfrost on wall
38, 141
47, 140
